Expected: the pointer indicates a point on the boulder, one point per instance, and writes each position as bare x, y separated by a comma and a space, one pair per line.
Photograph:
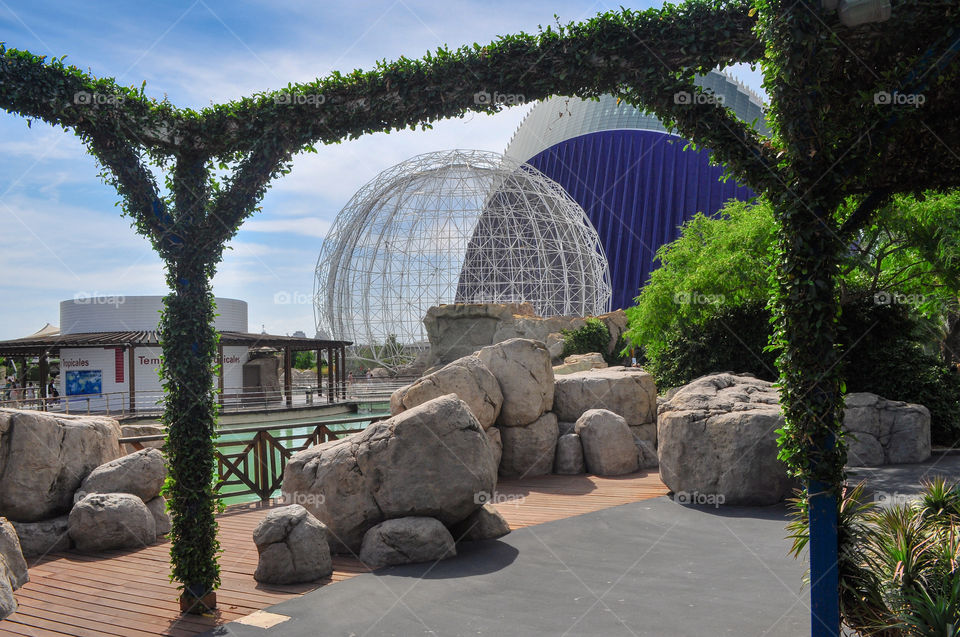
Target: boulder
12, 555
608, 447
8, 603
141, 473
103, 521
430, 460
45, 457
135, 431
406, 541
485, 523
580, 363
293, 547
326, 480
569, 455
158, 509
626, 391
41, 538
880, 431
522, 367
717, 437
529, 450
466, 377
496, 445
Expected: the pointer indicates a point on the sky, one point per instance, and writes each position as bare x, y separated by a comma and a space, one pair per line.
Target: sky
62, 235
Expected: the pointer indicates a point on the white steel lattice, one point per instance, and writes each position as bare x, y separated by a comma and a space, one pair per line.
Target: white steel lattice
461, 226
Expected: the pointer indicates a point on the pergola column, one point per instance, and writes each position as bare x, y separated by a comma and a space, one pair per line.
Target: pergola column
287, 373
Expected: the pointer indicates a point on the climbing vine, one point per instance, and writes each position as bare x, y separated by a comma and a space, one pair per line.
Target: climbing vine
832, 139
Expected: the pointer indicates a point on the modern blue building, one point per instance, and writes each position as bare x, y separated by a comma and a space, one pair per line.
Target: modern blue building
631, 175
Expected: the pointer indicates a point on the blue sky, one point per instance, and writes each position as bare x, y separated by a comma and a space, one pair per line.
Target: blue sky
61, 234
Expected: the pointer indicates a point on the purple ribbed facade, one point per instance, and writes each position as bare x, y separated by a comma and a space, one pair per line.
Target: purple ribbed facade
637, 187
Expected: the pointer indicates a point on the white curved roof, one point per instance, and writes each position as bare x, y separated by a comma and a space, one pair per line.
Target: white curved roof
560, 118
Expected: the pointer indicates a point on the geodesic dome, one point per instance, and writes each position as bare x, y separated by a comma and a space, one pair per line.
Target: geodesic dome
462, 226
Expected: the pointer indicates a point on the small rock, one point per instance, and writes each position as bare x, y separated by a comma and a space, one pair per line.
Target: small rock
40, 538
406, 541
608, 447
11, 553
102, 521
485, 523
158, 509
141, 474
293, 547
569, 455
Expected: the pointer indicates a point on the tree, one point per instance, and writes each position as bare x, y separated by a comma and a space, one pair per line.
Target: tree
833, 139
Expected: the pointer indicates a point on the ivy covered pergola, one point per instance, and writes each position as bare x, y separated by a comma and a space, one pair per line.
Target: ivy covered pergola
848, 134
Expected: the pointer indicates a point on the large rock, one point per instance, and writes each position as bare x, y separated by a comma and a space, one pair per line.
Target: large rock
326, 480
485, 523
467, 377
12, 555
431, 460
880, 431
529, 450
47, 536
522, 367
406, 541
158, 509
103, 521
45, 457
293, 547
496, 446
569, 459
626, 391
608, 447
717, 438
141, 473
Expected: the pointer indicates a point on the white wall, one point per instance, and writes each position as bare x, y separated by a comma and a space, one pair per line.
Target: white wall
136, 314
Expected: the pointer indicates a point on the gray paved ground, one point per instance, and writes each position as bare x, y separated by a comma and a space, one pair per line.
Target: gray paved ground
649, 568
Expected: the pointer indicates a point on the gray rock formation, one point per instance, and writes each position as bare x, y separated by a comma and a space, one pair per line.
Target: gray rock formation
485, 523
580, 363
293, 547
467, 377
522, 368
13, 568
141, 473
496, 445
880, 431
44, 458
529, 450
103, 521
608, 446
47, 536
717, 438
626, 391
569, 459
406, 541
430, 460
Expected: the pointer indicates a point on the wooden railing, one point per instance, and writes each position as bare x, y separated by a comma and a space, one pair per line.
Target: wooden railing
255, 461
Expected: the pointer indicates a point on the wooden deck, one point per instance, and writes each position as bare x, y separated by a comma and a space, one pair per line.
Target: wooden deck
128, 593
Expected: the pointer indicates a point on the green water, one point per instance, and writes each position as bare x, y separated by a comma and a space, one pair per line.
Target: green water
282, 429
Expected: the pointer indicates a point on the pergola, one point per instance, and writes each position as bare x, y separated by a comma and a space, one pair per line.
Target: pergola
46, 346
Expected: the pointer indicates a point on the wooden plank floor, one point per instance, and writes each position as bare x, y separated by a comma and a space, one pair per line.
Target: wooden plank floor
128, 593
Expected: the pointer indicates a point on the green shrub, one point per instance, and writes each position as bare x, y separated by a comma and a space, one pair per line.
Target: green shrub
594, 336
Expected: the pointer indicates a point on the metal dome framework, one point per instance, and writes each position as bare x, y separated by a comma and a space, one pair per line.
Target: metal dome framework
461, 226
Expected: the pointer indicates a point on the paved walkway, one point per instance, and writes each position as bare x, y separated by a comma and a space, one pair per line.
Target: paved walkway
647, 568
